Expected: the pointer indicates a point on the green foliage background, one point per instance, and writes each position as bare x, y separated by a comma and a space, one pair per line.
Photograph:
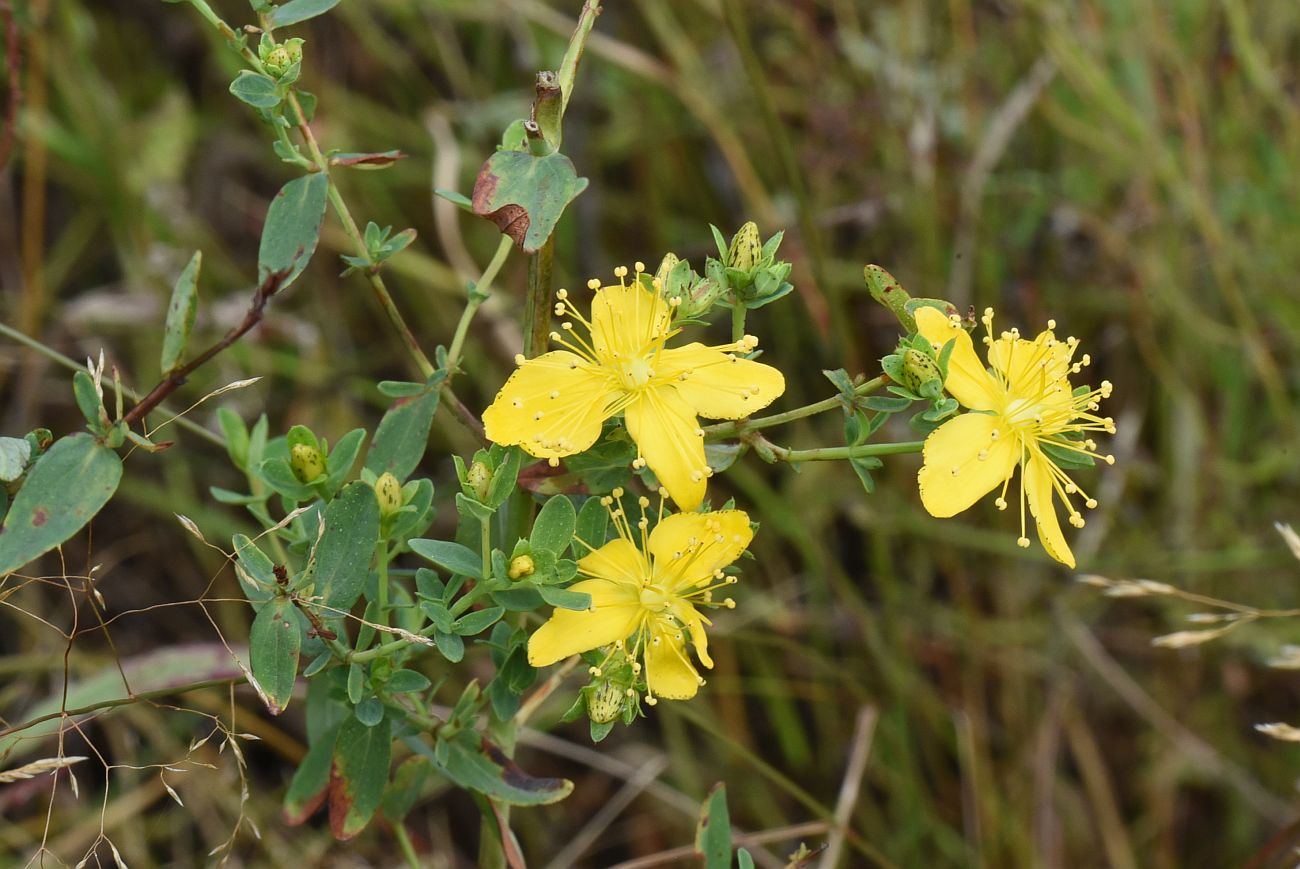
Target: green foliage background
1125, 166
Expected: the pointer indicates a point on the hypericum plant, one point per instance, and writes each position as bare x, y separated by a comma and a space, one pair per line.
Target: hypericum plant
551, 562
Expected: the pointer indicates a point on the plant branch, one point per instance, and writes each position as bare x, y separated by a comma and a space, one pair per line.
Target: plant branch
477, 296
740, 426
176, 378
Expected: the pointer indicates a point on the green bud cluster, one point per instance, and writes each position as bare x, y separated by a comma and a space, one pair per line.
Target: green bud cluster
691, 294
279, 58
747, 268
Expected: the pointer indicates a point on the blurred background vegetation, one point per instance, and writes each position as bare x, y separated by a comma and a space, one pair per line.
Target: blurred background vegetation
1125, 166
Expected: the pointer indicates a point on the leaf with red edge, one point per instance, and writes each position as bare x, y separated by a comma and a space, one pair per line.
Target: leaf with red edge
360, 771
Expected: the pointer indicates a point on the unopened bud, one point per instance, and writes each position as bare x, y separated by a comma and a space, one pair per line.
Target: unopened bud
478, 478
307, 462
746, 248
277, 61
604, 703
666, 265
520, 567
919, 369
294, 48
388, 492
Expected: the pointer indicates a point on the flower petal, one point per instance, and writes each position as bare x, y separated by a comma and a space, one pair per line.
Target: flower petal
669, 672
615, 612
967, 382
719, 385
685, 549
618, 561
1039, 490
626, 320
671, 442
695, 622
953, 476
571, 396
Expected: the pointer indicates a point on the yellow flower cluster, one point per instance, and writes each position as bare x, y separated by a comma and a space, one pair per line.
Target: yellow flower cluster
643, 595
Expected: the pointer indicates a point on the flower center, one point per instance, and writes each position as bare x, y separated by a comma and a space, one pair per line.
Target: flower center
654, 599
1022, 412
635, 373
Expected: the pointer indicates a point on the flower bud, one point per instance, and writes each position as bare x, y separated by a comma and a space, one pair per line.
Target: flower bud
294, 49
307, 462
521, 566
919, 369
605, 702
478, 478
746, 248
277, 61
666, 267
388, 492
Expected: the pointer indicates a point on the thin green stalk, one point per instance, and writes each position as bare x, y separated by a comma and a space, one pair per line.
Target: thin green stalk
404, 842
477, 296
382, 585
56, 356
830, 454
738, 312
737, 427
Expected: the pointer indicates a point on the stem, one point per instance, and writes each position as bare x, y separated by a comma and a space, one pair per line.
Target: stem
404, 842
537, 308
830, 454
383, 585
478, 294
729, 429
485, 542
738, 312
66, 362
573, 54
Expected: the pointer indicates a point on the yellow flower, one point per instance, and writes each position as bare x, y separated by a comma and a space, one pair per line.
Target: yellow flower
553, 405
644, 597
1023, 403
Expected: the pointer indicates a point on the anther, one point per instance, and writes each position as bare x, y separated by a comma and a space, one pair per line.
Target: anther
1000, 503
620, 272
1022, 542
593, 284
1091, 503
520, 359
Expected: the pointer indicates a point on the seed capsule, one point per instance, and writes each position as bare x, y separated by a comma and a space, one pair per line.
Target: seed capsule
307, 462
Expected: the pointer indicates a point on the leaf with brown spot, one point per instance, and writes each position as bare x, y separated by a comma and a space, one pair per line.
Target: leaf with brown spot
525, 195
63, 491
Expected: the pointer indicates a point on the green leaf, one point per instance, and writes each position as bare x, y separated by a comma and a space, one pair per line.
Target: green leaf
89, 401
604, 466
343, 556
310, 781
180, 315
863, 468
256, 89
401, 388
476, 764
502, 484
361, 758
569, 600
460, 200
406, 787
403, 434
64, 490
591, 528
451, 646
299, 10
884, 403
525, 195
292, 227
405, 681
344, 455
519, 599
274, 643
15, 453
277, 474
479, 621
744, 860
369, 711
713, 832
259, 567
451, 556
236, 435
554, 526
